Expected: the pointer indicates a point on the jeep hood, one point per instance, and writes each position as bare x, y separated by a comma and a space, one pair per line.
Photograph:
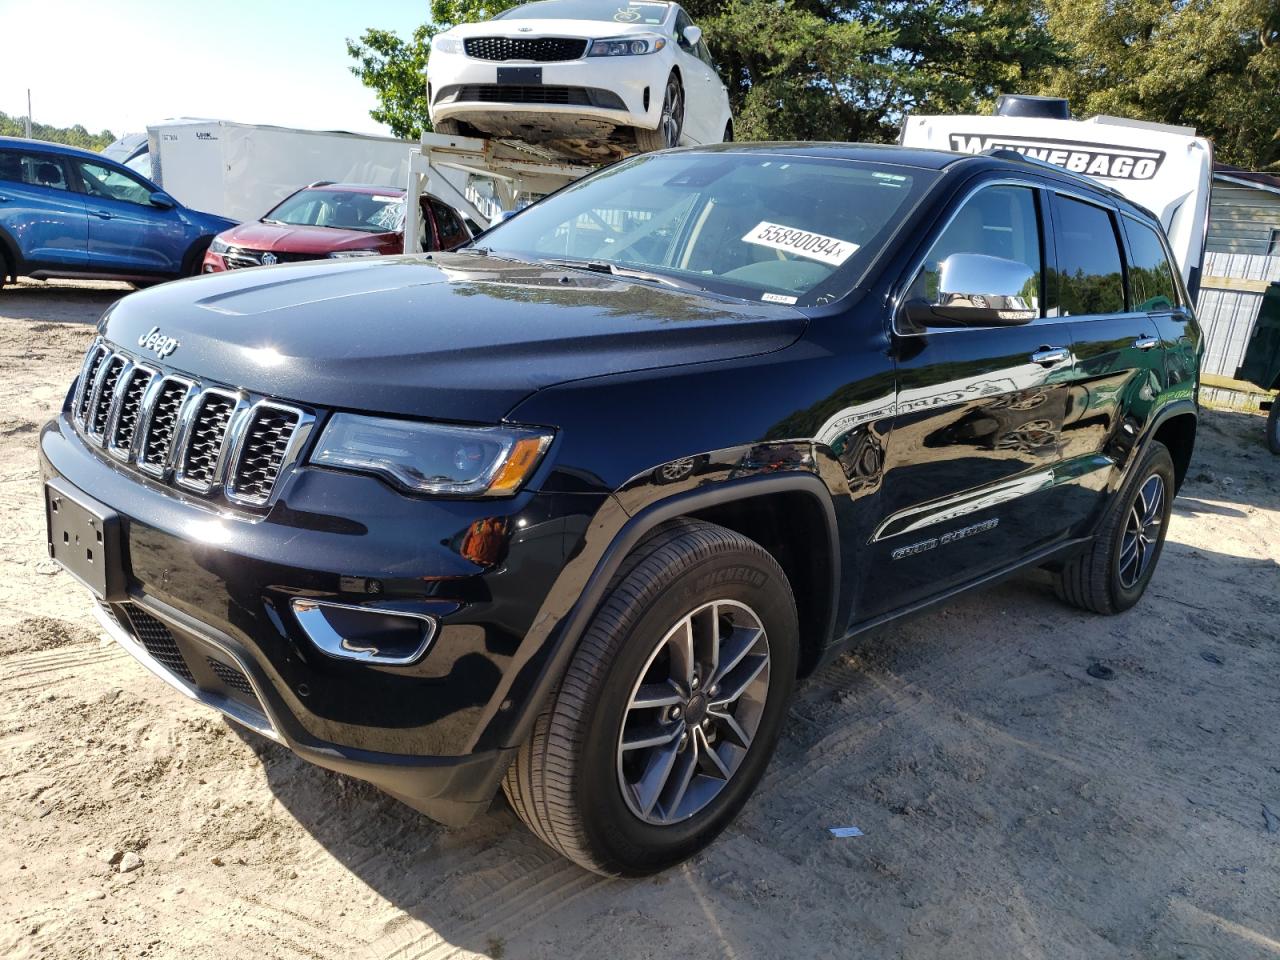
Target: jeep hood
454, 336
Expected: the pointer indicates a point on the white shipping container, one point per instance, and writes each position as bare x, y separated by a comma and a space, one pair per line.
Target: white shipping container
242, 170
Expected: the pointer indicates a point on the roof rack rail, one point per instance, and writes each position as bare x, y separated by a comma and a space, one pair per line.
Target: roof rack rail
1005, 153
320, 183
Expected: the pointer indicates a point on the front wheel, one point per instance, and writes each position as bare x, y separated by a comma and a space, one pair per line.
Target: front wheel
670, 123
1111, 575
670, 709
1273, 426
193, 262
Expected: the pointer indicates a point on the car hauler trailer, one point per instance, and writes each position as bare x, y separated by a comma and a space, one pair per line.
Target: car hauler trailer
481, 178
1167, 169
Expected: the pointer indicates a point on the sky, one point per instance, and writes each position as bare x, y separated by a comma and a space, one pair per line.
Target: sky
121, 64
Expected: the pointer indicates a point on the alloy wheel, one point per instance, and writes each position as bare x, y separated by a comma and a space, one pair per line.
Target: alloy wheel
672, 113
1142, 532
693, 712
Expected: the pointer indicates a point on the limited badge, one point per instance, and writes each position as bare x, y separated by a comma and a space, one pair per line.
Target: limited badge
803, 243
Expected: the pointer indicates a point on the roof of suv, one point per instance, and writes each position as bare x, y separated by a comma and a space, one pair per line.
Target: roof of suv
367, 188
926, 159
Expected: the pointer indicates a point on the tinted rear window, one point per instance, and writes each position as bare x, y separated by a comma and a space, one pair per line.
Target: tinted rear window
1090, 275
1150, 273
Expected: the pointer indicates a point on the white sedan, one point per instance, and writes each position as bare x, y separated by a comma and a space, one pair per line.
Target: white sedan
587, 78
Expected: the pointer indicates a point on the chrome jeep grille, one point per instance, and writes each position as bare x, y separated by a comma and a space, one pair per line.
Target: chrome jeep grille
206, 438
162, 425
103, 395
126, 422
266, 443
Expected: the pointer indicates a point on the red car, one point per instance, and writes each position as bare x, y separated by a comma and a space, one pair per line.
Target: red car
333, 220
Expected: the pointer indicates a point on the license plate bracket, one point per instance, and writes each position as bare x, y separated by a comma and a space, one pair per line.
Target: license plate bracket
520, 76
85, 538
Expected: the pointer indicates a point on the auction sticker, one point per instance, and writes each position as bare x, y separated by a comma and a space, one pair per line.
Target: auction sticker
802, 243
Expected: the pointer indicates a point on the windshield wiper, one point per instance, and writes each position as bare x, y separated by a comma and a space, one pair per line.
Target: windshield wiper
604, 266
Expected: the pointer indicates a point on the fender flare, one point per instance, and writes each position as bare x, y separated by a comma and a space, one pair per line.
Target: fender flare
12, 253
1170, 410
567, 633
192, 259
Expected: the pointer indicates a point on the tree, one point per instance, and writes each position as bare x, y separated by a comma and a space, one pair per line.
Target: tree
397, 69
76, 136
1211, 64
828, 69
796, 69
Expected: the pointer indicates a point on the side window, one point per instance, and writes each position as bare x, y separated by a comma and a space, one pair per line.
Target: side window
683, 21
33, 169
704, 54
995, 222
1151, 282
1090, 276
112, 184
452, 232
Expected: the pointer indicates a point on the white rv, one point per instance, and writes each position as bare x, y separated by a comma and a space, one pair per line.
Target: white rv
1164, 168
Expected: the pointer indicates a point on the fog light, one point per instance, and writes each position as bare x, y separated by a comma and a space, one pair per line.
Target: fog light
365, 634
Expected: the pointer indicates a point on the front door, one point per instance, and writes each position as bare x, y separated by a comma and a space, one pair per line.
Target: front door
699, 92
40, 211
127, 231
971, 459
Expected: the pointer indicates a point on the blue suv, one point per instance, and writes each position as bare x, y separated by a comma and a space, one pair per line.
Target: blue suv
66, 212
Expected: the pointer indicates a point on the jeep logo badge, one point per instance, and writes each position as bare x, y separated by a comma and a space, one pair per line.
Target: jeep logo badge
157, 343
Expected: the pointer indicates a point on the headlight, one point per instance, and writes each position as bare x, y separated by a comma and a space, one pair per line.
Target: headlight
443, 43
626, 46
347, 254
433, 457
219, 246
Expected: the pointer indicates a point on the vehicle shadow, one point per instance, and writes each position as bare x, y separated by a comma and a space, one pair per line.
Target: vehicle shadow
60, 301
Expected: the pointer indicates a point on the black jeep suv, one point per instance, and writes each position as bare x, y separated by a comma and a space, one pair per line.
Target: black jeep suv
570, 511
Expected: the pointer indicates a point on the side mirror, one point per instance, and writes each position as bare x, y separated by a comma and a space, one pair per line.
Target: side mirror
976, 290
692, 34
162, 200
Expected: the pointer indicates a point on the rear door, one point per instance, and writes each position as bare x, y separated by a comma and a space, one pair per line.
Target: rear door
976, 438
1153, 290
1119, 368
127, 231
39, 211
449, 228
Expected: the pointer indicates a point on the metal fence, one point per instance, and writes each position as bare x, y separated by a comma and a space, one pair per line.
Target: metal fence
1230, 299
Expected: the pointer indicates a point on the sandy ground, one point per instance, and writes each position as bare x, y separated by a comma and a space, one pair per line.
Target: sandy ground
1013, 805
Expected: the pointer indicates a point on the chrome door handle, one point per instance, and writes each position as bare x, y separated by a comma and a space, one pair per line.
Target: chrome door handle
104, 214
1048, 356
1146, 343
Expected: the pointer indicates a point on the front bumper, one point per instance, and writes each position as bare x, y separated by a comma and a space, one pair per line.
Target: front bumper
437, 733
636, 87
215, 670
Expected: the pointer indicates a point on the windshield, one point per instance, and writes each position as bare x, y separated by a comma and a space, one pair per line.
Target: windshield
638, 11
343, 209
750, 225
